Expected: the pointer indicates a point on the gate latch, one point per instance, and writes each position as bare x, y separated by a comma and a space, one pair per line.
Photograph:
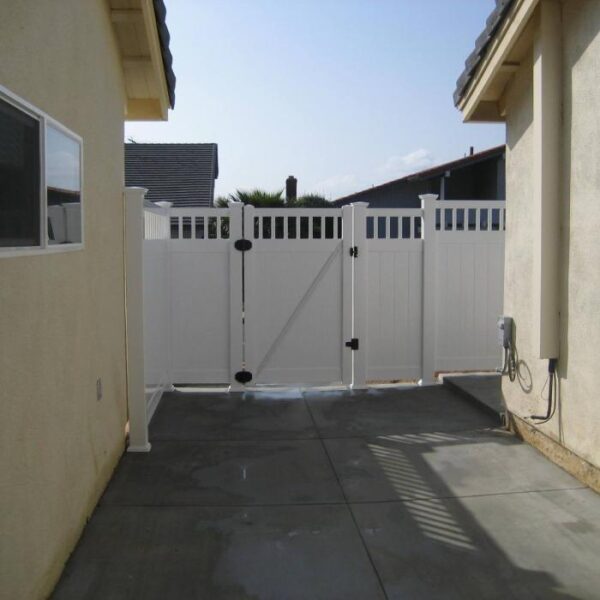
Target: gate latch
352, 344
242, 245
354, 251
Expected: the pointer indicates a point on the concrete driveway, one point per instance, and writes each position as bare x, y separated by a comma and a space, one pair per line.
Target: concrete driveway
387, 493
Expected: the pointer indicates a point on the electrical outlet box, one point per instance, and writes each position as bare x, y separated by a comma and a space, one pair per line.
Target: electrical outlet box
505, 330
99, 391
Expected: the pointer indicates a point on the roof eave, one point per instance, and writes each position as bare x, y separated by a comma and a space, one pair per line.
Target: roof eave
482, 100
148, 74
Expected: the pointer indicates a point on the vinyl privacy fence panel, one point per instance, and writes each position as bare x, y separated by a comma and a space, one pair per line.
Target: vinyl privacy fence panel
350, 295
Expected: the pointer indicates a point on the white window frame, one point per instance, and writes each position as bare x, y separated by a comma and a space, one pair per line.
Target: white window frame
44, 120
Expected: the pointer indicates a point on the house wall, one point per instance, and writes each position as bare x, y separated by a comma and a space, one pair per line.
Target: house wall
575, 424
401, 195
62, 315
476, 182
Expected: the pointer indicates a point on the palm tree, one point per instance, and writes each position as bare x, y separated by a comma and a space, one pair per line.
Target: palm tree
222, 202
263, 199
311, 201
259, 198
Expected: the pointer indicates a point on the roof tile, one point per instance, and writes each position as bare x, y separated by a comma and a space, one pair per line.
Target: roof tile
180, 173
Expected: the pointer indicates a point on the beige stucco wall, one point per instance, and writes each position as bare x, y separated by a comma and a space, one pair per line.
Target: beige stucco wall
575, 424
62, 315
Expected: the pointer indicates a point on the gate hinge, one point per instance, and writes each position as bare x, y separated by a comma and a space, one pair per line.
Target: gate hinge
242, 245
243, 376
352, 344
354, 251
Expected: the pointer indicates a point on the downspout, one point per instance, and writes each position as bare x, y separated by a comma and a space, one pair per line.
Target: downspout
547, 166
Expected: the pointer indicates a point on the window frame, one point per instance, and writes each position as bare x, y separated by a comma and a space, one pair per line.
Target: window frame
44, 120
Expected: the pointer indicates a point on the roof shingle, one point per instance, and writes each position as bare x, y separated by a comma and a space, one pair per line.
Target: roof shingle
481, 45
160, 13
180, 173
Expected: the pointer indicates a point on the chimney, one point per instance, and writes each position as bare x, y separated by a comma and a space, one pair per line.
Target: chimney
471, 150
291, 187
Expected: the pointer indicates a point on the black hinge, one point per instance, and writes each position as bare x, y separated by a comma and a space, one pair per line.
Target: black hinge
243, 376
352, 344
354, 251
242, 245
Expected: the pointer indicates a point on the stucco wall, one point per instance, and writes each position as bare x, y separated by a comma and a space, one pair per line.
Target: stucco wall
575, 424
62, 315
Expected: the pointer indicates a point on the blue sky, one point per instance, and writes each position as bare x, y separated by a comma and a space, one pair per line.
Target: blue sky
343, 94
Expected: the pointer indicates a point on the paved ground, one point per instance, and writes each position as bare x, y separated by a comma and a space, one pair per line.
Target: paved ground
484, 388
336, 495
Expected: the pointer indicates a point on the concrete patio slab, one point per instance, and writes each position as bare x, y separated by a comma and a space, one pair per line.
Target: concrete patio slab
441, 465
236, 416
189, 553
364, 413
435, 503
542, 545
226, 474
485, 390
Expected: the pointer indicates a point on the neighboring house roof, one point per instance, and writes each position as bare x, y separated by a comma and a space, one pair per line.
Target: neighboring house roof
180, 173
160, 13
436, 171
481, 45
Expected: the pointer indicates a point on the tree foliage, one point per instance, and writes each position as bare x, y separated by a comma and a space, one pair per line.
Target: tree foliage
311, 201
256, 197
264, 199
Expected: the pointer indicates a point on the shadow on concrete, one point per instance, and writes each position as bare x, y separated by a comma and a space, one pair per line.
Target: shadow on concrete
431, 543
431, 502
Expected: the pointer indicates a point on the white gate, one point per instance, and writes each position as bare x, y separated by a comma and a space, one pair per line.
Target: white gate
206, 294
298, 297
319, 296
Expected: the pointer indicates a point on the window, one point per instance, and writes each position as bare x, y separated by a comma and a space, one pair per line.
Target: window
63, 187
40, 181
19, 178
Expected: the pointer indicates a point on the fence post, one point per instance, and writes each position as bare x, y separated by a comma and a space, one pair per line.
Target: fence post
429, 329
236, 305
250, 362
347, 293
134, 319
168, 206
360, 325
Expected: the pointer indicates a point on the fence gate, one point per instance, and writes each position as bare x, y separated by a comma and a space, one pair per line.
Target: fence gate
206, 295
319, 296
298, 296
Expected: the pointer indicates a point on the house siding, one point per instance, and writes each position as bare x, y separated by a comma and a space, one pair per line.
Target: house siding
62, 321
575, 423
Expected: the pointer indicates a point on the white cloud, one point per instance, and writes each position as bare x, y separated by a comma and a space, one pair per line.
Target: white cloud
393, 168
337, 185
397, 166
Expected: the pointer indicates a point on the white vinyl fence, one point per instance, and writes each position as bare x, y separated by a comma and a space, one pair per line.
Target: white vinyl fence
350, 295
156, 304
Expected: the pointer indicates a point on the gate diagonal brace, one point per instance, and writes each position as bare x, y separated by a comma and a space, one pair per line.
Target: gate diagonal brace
298, 308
